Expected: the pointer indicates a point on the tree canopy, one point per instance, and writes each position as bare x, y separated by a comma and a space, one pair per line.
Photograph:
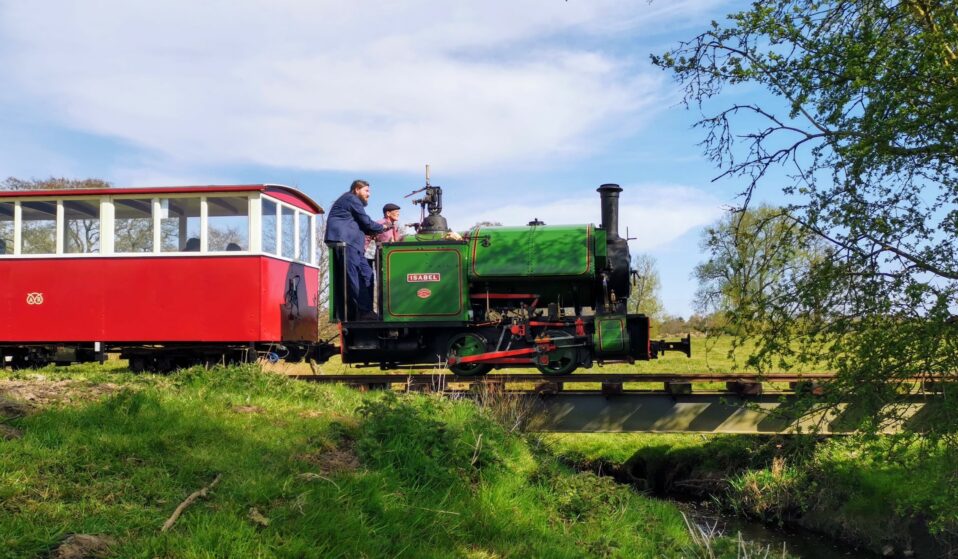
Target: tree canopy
858, 128
52, 183
646, 284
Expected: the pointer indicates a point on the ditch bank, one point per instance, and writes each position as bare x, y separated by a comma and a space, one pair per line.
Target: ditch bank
757, 484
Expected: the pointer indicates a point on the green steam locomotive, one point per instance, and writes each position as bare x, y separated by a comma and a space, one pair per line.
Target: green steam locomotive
552, 297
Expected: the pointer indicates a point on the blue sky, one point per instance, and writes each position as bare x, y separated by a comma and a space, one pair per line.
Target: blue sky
521, 108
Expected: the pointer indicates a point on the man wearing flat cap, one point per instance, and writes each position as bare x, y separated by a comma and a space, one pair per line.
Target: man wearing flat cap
392, 233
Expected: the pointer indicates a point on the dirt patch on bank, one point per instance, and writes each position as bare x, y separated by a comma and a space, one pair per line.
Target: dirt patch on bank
22, 394
334, 460
83, 546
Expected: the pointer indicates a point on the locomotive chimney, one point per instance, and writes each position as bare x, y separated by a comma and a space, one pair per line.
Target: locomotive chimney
609, 194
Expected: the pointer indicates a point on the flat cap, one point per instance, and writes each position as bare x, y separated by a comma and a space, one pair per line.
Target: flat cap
390, 207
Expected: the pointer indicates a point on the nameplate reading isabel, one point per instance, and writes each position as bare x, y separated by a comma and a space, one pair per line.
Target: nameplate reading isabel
415, 278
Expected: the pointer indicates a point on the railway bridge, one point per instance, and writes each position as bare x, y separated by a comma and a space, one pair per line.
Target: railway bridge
659, 403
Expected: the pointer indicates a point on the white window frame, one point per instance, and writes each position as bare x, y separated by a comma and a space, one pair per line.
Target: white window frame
61, 227
107, 204
112, 232
158, 221
18, 224
17, 233
298, 213
250, 210
14, 247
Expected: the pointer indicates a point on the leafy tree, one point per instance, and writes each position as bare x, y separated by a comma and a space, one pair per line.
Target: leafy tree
644, 297
860, 128
752, 253
52, 183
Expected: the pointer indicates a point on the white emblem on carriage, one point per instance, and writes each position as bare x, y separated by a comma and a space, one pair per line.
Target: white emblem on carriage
34, 298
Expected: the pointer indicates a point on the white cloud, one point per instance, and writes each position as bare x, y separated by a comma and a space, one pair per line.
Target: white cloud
337, 85
655, 215
154, 176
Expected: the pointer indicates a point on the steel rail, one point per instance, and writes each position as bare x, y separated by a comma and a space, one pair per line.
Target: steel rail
429, 378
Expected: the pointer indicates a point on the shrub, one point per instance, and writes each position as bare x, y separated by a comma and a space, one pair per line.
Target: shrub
402, 434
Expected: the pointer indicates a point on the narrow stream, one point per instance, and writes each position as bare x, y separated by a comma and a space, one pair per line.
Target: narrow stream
797, 542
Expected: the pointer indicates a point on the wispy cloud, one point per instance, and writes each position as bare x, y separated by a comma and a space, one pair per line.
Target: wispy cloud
337, 85
655, 215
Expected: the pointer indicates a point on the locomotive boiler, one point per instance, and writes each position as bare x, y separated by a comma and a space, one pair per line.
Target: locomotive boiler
552, 297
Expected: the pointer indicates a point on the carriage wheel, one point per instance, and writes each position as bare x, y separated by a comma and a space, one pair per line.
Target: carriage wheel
464, 345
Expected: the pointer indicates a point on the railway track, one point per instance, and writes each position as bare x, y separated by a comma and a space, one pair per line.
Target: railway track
608, 384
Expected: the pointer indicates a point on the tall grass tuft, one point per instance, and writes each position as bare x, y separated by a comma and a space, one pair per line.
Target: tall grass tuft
708, 542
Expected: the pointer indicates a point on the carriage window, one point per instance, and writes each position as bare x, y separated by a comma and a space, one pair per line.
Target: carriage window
39, 228
133, 226
304, 222
81, 226
228, 220
289, 232
180, 225
6, 227
269, 227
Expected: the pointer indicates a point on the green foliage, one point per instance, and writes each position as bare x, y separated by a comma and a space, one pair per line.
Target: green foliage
583, 495
408, 438
644, 297
847, 487
52, 183
860, 132
751, 254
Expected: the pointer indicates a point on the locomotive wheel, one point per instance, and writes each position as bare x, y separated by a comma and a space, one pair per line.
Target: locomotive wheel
463, 345
562, 360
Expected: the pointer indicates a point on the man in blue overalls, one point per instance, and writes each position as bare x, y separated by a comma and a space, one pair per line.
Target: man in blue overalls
347, 222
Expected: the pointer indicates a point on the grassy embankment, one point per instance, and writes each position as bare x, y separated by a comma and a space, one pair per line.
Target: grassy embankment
305, 471
846, 487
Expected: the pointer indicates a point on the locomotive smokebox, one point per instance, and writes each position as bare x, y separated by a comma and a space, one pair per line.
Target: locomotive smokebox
609, 194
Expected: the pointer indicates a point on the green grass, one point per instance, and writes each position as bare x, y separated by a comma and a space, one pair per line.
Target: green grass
334, 472
860, 491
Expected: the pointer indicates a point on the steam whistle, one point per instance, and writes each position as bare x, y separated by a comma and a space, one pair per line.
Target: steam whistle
430, 205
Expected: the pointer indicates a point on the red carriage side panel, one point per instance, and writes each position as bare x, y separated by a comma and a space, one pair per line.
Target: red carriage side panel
156, 299
51, 300
289, 300
201, 299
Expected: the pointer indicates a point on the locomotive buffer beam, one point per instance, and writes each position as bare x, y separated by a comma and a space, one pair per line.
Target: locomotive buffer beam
684, 345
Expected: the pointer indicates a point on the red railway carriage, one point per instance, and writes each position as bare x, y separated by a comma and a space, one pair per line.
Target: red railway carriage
168, 276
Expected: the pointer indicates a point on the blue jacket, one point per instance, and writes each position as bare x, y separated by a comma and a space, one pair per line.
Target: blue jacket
347, 221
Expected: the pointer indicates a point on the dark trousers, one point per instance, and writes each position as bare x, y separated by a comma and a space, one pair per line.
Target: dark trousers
359, 279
